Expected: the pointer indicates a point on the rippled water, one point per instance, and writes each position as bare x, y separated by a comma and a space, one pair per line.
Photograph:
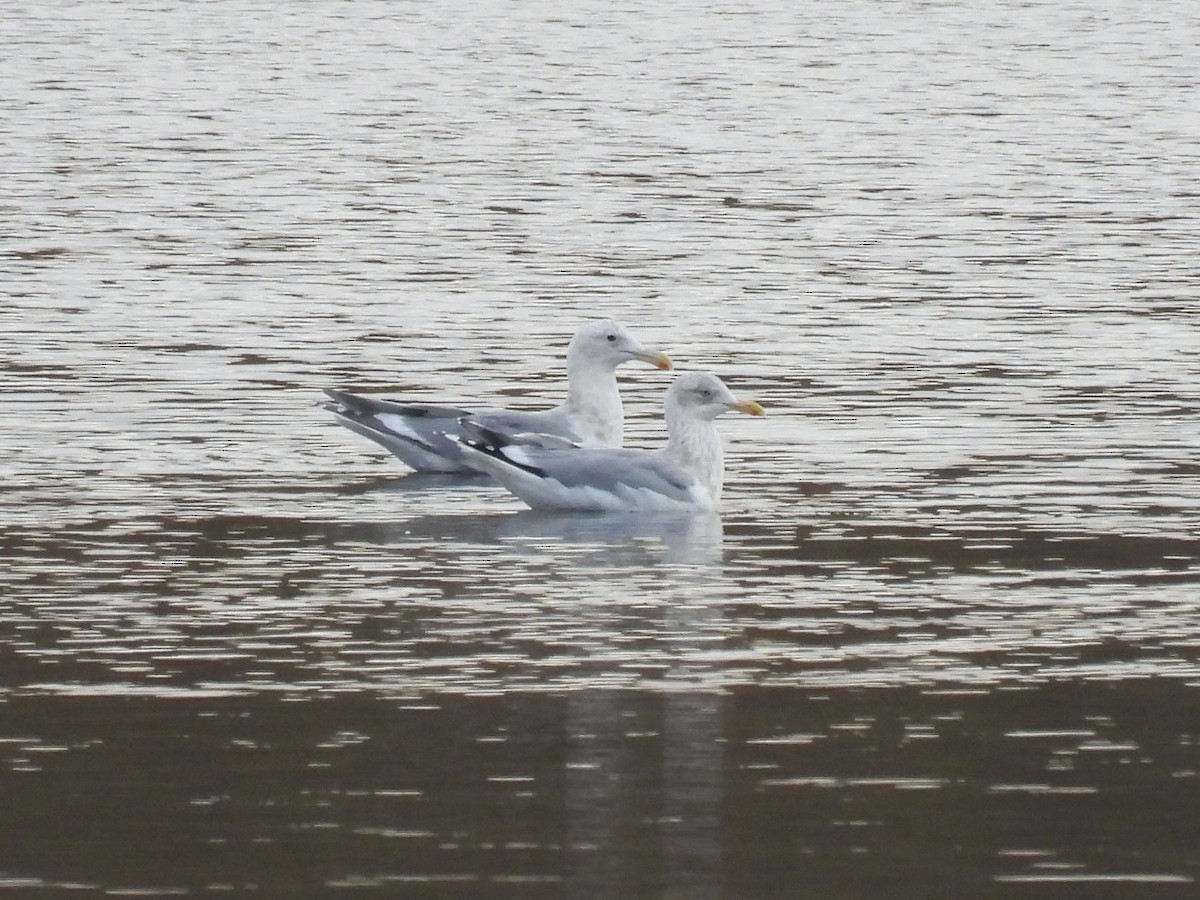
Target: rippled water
942, 640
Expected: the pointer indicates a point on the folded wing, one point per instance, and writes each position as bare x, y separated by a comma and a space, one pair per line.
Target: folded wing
548, 473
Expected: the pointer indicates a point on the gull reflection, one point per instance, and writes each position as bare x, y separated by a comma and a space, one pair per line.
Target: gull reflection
644, 767
643, 789
693, 754
688, 539
643, 794
685, 539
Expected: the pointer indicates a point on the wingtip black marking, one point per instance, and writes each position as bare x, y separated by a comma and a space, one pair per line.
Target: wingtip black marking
492, 443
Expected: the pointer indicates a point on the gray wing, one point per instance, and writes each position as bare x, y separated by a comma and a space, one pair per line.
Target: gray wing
425, 435
358, 405
550, 421
473, 431
610, 470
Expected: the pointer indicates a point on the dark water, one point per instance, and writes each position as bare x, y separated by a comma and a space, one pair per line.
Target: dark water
595, 792
943, 640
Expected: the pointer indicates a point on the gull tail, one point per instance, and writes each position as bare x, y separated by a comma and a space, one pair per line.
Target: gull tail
416, 433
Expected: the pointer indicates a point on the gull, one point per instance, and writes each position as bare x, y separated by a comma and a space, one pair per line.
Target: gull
552, 473
425, 435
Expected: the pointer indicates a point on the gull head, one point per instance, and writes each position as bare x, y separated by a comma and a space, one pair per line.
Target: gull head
608, 344
702, 395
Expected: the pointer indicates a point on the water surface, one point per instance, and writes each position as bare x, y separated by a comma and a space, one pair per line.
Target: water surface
943, 638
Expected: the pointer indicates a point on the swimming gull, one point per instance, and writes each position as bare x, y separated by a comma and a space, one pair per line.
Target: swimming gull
424, 435
551, 473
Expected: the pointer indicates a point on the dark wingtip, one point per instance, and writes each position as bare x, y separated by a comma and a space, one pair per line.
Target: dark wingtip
342, 403
492, 443
480, 436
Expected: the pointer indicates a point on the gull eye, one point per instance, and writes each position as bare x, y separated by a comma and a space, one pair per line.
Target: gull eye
612, 339
706, 393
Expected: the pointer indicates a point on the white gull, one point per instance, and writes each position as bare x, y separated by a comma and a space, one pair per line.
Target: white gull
424, 435
552, 473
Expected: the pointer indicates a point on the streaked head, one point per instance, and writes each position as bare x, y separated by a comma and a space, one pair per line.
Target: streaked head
702, 395
608, 344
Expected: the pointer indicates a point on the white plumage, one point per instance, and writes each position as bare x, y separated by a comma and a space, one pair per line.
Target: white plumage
548, 473
425, 435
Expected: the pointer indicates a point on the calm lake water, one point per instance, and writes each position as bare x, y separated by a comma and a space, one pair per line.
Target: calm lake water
944, 638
